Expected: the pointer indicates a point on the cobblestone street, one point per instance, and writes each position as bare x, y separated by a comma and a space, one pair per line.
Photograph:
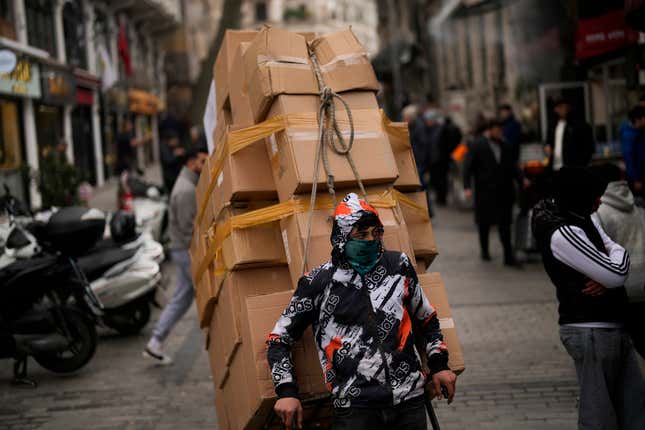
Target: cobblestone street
517, 374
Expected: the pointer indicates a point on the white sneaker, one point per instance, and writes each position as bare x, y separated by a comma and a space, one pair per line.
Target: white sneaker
157, 356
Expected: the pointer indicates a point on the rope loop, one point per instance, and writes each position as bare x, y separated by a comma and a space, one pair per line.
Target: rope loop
331, 136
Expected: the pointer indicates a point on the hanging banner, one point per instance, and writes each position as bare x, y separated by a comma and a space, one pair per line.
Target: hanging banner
603, 34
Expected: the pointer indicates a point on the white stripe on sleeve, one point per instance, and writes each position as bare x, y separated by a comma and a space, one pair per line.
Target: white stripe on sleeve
571, 246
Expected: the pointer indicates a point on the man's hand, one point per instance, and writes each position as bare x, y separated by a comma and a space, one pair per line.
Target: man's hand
446, 378
594, 289
548, 150
288, 409
468, 193
179, 152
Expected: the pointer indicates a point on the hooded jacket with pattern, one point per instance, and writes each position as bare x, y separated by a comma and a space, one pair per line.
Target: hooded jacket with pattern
364, 326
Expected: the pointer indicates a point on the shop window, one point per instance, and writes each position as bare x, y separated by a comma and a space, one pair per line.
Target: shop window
10, 135
40, 25
6, 19
74, 29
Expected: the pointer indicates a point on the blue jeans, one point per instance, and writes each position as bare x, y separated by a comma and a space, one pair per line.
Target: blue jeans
181, 299
612, 387
408, 415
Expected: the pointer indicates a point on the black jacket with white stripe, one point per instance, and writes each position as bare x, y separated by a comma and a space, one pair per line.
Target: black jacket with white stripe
575, 250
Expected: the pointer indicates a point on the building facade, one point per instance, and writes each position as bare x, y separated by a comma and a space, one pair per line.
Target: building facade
73, 71
186, 50
318, 16
530, 52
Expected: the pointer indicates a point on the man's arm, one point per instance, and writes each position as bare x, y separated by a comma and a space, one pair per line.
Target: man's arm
425, 325
185, 208
571, 246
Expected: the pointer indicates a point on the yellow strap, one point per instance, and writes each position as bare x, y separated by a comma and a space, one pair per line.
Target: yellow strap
220, 231
397, 130
406, 201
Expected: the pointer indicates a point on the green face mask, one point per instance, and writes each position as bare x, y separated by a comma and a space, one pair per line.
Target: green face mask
362, 254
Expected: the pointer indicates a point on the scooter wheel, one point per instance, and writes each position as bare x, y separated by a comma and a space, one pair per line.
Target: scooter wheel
81, 348
129, 319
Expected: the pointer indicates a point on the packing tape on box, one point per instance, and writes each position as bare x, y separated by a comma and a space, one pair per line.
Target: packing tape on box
286, 59
404, 200
236, 140
397, 130
345, 60
218, 232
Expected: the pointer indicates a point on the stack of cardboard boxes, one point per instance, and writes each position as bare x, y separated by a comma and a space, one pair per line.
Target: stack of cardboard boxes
253, 202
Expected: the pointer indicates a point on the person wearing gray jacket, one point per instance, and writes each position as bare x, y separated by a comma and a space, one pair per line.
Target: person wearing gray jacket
624, 223
182, 211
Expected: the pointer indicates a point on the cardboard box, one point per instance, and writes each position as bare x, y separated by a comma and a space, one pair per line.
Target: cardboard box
243, 379
294, 233
277, 62
224, 62
226, 326
245, 175
201, 192
293, 151
419, 226
242, 114
399, 137
259, 246
435, 290
421, 267
204, 291
344, 62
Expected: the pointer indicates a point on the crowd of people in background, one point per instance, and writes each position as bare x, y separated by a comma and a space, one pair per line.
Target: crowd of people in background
588, 223
491, 172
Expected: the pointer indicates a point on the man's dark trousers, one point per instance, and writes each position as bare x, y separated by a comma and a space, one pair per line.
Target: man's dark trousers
504, 237
409, 415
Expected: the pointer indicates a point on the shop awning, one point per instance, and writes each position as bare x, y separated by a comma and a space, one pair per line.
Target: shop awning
602, 34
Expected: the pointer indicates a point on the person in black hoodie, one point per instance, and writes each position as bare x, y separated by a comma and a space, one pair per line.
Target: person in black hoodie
365, 307
589, 270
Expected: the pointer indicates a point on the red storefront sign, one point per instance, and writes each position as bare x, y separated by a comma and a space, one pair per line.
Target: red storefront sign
603, 34
84, 96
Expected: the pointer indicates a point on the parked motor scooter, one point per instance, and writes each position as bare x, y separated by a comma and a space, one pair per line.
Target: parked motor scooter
125, 277
47, 308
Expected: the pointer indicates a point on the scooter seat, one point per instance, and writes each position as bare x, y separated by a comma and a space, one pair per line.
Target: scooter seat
97, 263
109, 243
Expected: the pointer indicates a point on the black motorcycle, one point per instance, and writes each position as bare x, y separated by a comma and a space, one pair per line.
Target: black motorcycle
47, 308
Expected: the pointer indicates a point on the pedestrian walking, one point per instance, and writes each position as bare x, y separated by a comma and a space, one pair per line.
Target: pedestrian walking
126, 144
172, 158
632, 142
365, 306
511, 129
570, 141
410, 115
624, 223
182, 211
491, 170
449, 138
589, 270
